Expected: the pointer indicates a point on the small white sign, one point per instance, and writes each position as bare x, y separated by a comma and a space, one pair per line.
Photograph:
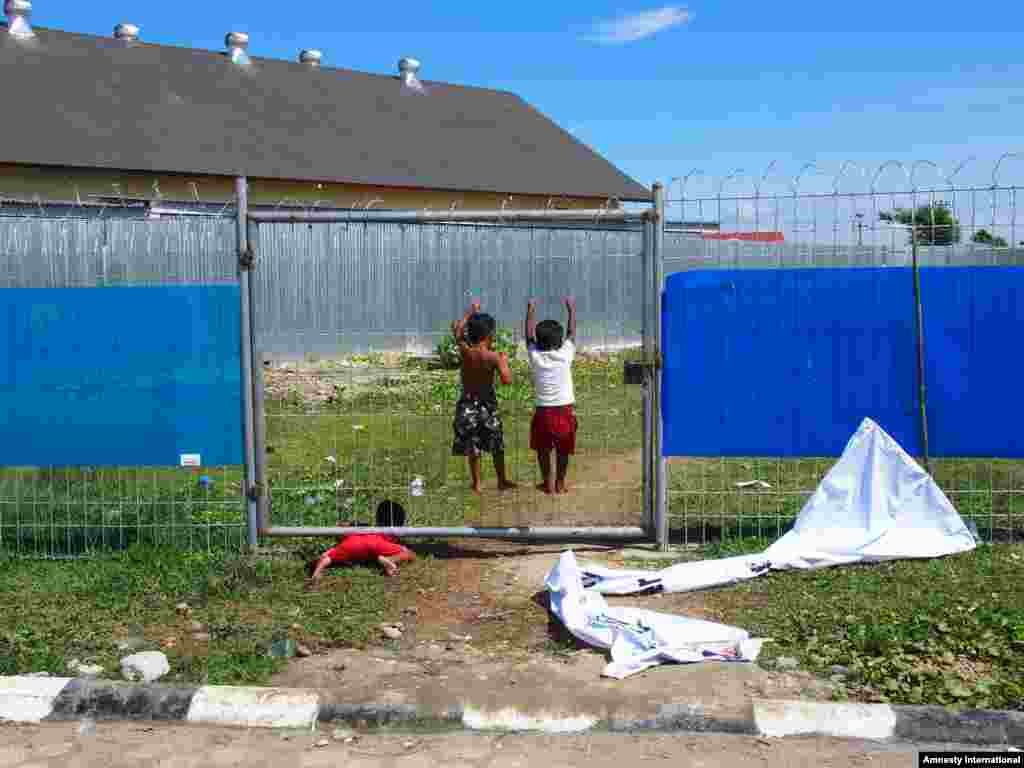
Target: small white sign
191, 460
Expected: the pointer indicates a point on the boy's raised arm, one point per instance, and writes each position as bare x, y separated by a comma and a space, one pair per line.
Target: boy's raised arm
531, 322
570, 306
504, 372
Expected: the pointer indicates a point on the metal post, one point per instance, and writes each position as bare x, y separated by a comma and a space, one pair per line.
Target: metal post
248, 437
658, 253
646, 391
260, 439
258, 400
538, 216
922, 400
549, 534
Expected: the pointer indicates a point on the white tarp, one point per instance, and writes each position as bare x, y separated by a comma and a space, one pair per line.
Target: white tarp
875, 504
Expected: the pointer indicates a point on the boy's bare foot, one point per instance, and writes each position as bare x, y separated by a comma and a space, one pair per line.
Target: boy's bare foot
310, 585
475, 489
561, 489
507, 485
544, 488
390, 568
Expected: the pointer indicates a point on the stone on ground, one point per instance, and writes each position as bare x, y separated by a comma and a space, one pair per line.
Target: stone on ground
147, 666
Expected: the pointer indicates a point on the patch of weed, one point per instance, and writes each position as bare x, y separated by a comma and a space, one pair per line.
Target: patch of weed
55, 611
947, 631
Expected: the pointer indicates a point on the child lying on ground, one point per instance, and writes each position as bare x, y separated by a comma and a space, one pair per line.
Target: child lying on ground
477, 425
369, 547
551, 352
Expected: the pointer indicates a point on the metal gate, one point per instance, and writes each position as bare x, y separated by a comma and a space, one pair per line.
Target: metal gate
346, 321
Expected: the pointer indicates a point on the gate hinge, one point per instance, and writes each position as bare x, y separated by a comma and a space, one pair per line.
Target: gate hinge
247, 257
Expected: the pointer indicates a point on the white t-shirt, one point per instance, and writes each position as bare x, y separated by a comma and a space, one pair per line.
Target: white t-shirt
552, 374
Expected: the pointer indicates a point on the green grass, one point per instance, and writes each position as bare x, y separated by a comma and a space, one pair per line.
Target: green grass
68, 512
55, 612
383, 436
946, 631
705, 503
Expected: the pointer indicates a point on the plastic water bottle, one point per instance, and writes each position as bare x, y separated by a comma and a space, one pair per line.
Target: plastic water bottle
416, 487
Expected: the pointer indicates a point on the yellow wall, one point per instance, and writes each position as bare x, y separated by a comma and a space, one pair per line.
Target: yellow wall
64, 184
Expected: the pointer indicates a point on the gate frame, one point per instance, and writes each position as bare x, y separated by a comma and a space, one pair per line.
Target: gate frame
652, 222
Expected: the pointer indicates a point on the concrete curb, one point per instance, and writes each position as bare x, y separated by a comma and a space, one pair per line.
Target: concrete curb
48, 699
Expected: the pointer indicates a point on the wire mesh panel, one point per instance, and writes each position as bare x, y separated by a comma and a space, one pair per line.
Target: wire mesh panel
71, 509
713, 497
362, 379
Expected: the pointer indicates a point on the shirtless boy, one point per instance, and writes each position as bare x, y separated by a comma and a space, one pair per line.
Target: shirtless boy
477, 425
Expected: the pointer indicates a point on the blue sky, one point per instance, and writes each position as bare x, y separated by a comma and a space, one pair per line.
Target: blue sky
661, 90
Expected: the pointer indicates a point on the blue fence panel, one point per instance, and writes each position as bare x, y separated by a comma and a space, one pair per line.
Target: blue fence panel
127, 376
973, 331
787, 362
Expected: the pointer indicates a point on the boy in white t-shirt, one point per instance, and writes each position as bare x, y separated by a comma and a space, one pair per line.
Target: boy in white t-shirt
551, 351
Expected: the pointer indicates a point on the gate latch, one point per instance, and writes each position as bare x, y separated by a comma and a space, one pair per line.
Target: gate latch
640, 371
247, 257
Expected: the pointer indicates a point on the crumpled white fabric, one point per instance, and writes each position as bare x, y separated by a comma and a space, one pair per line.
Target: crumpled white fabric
639, 638
875, 504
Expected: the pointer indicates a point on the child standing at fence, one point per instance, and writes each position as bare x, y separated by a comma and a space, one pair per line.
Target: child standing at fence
368, 547
477, 424
551, 352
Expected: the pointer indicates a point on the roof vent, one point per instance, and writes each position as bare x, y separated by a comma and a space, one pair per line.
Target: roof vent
129, 33
310, 57
407, 69
237, 43
18, 13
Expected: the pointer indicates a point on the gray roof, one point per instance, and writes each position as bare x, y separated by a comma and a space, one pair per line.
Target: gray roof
83, 101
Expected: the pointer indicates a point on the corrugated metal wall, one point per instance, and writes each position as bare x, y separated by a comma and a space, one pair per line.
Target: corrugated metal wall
83, 253
332, 289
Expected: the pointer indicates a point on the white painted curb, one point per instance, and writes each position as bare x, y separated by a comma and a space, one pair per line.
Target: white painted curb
29, 699
510, 720
845, 721
254, 707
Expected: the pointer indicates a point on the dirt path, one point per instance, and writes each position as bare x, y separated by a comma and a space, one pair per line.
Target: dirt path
603, 490
143, 744
486, 619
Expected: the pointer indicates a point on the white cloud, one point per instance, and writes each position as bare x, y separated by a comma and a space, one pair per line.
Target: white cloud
629, 29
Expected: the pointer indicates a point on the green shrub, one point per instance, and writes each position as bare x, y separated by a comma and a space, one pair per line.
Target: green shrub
504, 341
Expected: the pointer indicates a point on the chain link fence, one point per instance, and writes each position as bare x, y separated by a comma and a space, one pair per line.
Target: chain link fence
69, 511
710, 498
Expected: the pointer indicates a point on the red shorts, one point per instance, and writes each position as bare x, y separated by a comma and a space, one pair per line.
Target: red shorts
554, 429
364, 546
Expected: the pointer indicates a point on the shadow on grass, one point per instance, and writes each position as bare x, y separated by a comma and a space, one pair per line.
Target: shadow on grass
444, 550
558, 640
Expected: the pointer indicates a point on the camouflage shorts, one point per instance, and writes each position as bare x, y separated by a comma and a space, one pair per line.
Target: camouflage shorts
477, 427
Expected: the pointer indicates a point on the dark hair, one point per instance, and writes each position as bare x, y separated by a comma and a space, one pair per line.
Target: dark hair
390, 515
549, 335
480, 326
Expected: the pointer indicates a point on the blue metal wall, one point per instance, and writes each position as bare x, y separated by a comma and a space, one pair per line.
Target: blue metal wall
127, 376
787, 362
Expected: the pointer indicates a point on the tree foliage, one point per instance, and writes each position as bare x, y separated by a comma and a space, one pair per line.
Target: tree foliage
984, 237
932, 224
